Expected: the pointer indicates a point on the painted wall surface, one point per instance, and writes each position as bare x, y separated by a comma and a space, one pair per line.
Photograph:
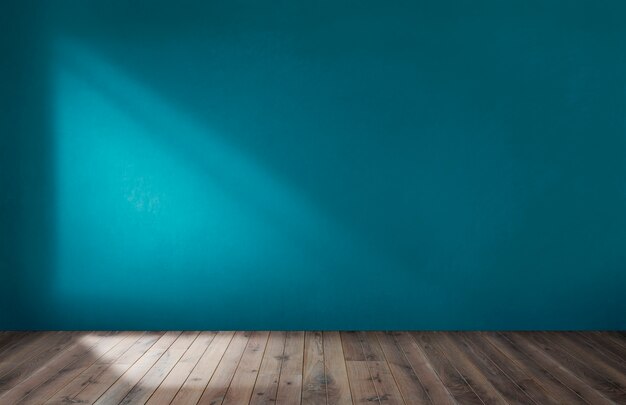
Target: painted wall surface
313, 164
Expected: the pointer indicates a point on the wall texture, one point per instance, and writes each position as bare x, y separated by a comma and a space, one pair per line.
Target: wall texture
313, 164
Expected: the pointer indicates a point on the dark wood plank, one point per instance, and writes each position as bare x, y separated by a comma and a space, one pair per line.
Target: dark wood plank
551, 345
600, 340
242, 384
18, 342
314, 377
290, 381
384, 381
507, 388
8, 338
220, 381
603, 354
446, 371
337, 384
541, 376
516, 372
266, 387
34, 358
434, 387
468, 370
560, 372
408, 382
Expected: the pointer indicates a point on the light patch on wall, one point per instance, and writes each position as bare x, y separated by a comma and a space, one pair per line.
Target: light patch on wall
147, 197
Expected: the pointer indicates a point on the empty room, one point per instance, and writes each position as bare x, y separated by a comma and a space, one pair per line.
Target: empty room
312, 202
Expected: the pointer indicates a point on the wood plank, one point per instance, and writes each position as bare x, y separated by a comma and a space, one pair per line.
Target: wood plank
468, 370
408, 382
337, 384
34, 358
91, 389
67, 393
142, 391
290, 381
23, 353
20, 341
314, 378
242, 384
361, 386
599, 340
8, 338
456, 384
556, 369
586, 374
59, 371
541, 375
603, 354
618, 337
131, 376
220, 381
512, 369
266, 387
419, 363
506, 387
168, 389
607, 368
352, 347
193, 387
383, 379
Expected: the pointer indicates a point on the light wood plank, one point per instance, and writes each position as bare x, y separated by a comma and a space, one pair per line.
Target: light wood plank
67, 393
168, 389
193, 387
361, 385
219, 383
242, 384
290, 382
336, 375
266, 387
362, 388
135, 373
93, 388
42, 384
142, 391
314, 378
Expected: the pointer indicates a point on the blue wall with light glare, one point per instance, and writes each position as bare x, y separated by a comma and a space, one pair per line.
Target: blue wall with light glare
317, 165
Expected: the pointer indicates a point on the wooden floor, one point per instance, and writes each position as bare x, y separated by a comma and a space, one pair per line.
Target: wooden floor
312, 368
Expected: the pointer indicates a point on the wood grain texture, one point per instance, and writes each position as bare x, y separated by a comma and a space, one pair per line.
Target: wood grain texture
339, 368
290, 381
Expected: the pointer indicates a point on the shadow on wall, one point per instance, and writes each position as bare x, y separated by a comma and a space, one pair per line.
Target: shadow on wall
26, 169
319, 166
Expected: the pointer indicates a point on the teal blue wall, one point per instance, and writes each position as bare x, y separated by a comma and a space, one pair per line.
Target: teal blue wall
313, 164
